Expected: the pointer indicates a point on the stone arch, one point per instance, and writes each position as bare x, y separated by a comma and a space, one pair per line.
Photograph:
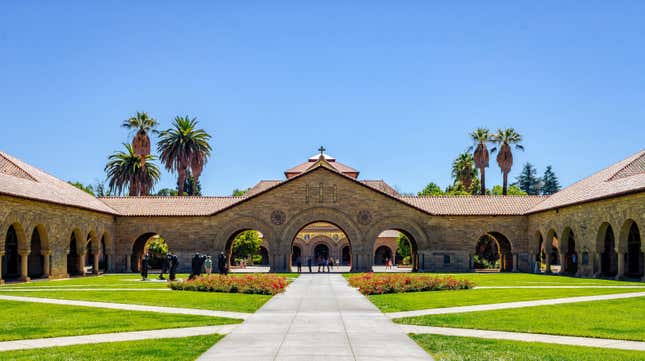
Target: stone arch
552, 249
504, 248
569, 262
224, 242
75, 251
139, 247
416, 236
14, 244
321, 214
382, 254
39, 249
540, 253
606, 247
630, 247
105, 251
92, 248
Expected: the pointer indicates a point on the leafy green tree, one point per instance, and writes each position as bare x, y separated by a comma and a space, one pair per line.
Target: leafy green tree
158, 245
246, 244
167, 192
404, 250
239, 192
85, 188
432, 189
528, 181
184, 149
102, 190
505, 138
128, 170
192, 187
481, 137
498, 190
464, 171
550, 182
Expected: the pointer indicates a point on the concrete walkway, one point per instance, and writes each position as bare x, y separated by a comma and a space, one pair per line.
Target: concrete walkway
319, 317
128, 307
114, 337
528, 337
507, 305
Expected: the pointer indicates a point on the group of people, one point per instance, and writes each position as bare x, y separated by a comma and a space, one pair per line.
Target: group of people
204, 264
388, 263
169, 265
323, 263
199, 264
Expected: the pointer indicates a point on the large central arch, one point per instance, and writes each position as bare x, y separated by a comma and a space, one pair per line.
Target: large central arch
321, 243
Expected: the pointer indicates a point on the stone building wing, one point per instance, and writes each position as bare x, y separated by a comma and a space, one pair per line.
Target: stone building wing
169, 206
626, 176
474, 205
20, 179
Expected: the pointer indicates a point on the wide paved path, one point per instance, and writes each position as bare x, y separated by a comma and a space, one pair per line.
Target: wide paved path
319, 317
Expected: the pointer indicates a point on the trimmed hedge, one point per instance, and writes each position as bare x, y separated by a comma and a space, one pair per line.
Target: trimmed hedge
378, 284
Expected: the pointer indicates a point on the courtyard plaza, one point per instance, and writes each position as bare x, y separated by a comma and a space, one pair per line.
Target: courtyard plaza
555, 277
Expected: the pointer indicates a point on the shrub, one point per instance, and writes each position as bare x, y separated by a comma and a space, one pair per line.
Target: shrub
264, 284
377, 284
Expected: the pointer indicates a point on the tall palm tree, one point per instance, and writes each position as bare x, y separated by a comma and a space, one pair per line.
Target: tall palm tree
143, 124
480, 137
505, 138
463, 170
184, 149
129, 170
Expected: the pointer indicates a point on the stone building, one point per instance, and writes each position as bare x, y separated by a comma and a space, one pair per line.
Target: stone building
49, 228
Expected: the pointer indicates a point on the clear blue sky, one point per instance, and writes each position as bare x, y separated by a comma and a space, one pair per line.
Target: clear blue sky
391, 88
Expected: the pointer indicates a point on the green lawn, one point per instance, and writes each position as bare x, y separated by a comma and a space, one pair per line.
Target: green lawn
169, 349
25, 320
622, 319
447, 348
396, 302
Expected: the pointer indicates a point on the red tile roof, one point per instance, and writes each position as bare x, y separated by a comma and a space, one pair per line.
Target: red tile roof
20, 179
340, 167
474, 205
261, 186
626, 176
169, 206
381, 186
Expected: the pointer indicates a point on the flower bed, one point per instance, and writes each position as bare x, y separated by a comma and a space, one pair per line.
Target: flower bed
378, 284
263, 284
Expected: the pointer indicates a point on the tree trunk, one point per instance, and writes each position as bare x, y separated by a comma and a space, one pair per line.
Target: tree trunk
505, 186
180, 182
482, 173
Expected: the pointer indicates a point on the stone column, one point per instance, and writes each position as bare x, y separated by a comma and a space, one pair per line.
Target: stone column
81, 263
96, 264
532, 262
128, 261
24, 266
621, 265
563, 262
1, 255
515, 259
547, 260
46, 264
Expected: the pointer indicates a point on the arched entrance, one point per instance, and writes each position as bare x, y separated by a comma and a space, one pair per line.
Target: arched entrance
263, 259
554, 255
322, 242
634, 256
153, 244
608, 255
89, 254
73, 263
540, 255
243, 249
36, 260
570, 262
11, 264
493, 252
382, 255
103, 256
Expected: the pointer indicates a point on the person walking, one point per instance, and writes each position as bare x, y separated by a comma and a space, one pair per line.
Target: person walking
174, 262
144, 267
208, 265
299, 264
309, 262
327, 264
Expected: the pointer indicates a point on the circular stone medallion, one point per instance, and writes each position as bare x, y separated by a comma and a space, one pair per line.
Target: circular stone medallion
364, 217
278, 217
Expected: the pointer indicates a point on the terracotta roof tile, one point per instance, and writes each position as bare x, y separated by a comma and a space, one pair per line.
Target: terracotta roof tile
169, 206
23, 180
474, 205
382, 186
340, 167
625, 176
261, 186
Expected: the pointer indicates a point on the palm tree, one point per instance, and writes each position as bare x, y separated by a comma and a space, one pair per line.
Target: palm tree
129, 170
143, 124
184, 149
504, 138
463, 170
481, 136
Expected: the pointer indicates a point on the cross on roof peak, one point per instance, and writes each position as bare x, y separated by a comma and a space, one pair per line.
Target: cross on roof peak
322, 150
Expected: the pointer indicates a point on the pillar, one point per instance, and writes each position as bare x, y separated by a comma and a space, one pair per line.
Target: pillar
128, 261
621, 265
24, 266
515, 258
1, 255
46, 264
563, 261
95, 267
81, 263
547, 260
532, 262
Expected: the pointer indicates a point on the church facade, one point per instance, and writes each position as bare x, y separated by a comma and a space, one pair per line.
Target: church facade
49, 228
